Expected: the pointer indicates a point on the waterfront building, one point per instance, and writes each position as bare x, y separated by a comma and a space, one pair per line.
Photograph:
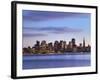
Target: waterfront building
73, 43
84, 47
65, 45
50, 47
61, 46
88, 48
69, 47
80, 48
37, 47
43, 46
56, 46
83, 42
74, 47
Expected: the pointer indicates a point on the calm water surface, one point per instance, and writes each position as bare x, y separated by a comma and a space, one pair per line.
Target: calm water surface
56, 60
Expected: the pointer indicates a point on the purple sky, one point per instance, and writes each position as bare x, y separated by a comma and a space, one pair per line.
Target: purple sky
51, 26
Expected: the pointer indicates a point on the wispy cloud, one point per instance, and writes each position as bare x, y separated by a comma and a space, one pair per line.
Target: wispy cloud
53, 30
67, 30
33, 34
48, 15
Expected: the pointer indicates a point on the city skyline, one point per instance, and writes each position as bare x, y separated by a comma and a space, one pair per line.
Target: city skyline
67, 42
57, 47
52, 26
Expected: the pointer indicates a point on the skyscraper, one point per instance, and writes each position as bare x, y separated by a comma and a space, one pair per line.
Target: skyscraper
83, 42
50, 46
37, 45
43, 45
73, 42
56, 46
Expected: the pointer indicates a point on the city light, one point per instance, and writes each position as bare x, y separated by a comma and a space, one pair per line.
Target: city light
57, 47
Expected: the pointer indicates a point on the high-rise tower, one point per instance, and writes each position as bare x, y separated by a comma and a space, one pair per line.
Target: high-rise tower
84, 42
73, 42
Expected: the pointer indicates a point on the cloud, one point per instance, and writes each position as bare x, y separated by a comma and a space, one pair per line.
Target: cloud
33, 34
67, 31
48, 15
54, 30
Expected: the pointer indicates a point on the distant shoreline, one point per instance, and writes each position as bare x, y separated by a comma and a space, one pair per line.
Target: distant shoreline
70, 53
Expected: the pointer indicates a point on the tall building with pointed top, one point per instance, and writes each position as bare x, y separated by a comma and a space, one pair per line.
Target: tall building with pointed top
83, 42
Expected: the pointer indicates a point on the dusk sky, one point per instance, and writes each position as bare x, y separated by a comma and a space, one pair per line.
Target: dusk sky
51, 26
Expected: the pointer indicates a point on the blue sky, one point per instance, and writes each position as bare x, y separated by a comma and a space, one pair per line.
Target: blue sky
51, 26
